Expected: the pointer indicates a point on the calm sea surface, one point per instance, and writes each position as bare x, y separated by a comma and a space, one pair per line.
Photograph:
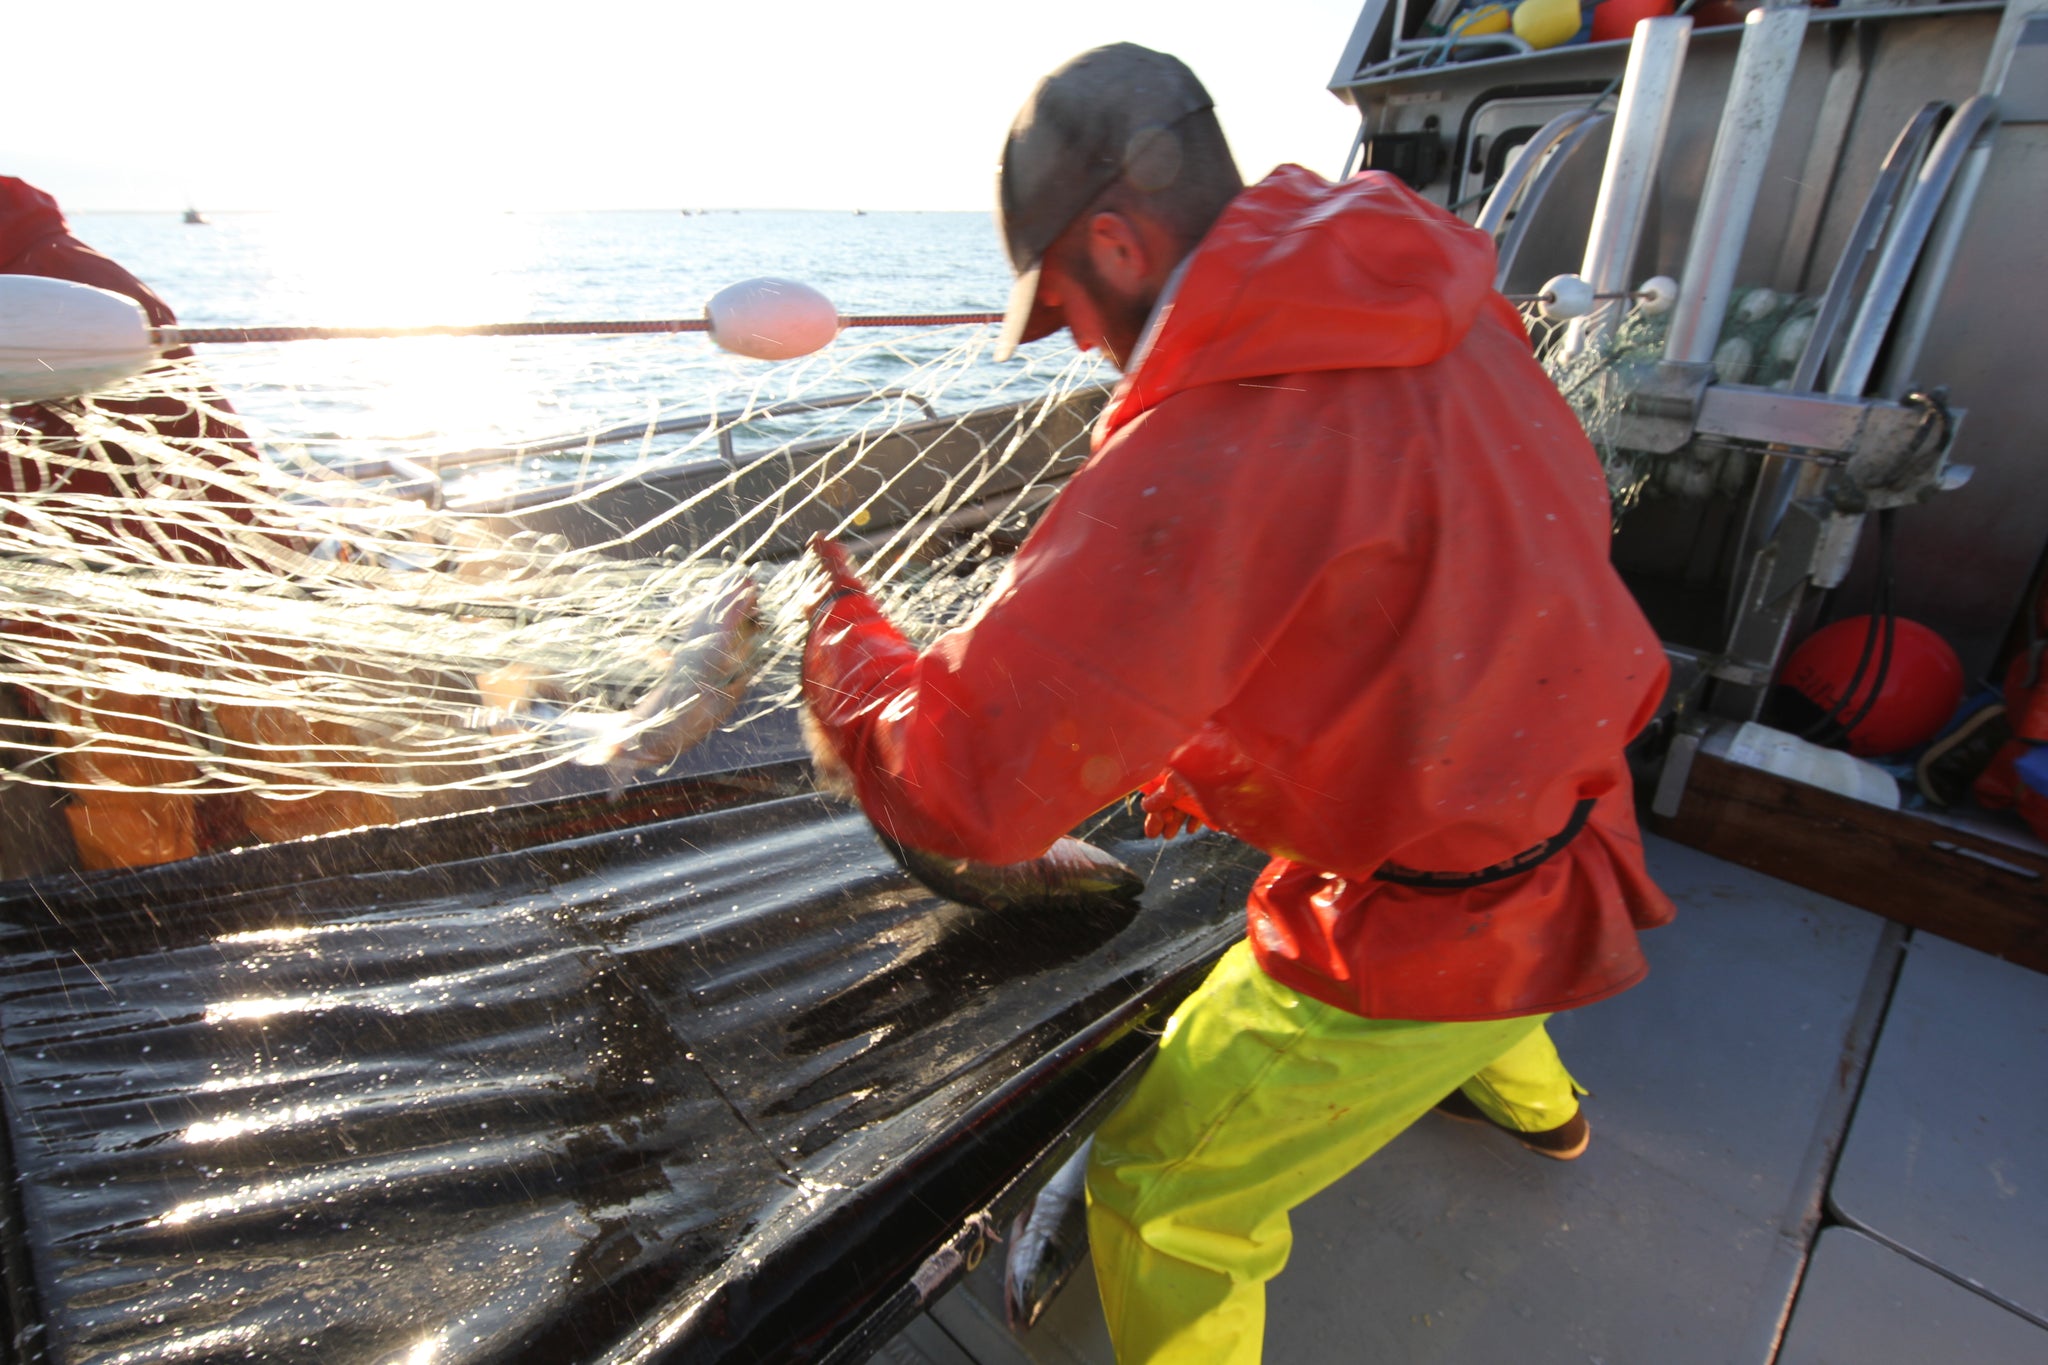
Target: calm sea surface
428, 396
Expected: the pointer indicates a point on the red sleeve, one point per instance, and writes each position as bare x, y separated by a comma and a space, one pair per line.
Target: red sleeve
66, 258
169, 415
1101, 651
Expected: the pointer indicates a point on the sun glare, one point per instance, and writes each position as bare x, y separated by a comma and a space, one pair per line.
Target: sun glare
355, 269
367, 269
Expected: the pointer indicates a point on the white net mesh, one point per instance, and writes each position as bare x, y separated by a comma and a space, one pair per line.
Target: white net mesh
325, 624
334, 630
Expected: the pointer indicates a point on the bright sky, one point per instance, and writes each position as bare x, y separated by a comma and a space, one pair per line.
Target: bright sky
227, 104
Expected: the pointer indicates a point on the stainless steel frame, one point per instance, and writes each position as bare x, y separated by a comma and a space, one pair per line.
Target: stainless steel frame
1949, 296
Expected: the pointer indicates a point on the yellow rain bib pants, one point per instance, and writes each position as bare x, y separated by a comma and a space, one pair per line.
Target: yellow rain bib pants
1258, 1098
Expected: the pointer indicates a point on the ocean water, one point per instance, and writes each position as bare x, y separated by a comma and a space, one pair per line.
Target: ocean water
429, 397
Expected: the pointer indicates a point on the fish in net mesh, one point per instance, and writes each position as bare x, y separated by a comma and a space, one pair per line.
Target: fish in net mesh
213, 637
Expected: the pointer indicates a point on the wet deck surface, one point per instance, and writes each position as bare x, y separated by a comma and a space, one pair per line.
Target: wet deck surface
1816, 1139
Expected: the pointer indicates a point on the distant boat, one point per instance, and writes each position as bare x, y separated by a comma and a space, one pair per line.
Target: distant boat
860, 213
193, 216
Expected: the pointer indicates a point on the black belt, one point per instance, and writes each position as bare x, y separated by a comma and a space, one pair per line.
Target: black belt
1526, 860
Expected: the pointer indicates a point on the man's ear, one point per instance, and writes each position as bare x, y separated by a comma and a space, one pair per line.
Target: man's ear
1118, 251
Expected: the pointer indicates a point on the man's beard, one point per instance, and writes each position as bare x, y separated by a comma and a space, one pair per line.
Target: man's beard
1123, 315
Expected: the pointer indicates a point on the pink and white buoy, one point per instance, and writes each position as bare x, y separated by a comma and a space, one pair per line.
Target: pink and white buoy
771, 319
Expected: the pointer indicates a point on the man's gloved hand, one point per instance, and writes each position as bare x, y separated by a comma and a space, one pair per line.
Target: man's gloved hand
1170, 807
854, 662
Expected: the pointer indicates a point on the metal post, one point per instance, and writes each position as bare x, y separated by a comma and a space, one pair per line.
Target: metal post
1749, 125
1649, 87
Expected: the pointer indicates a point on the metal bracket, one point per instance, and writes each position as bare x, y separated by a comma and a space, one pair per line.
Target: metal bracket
1834, 554
1888, 454
1885, 454
1777, 582
1900, 458
1742, 675
1665, 403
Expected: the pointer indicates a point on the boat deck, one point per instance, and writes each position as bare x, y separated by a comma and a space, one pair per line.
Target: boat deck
1817, 1137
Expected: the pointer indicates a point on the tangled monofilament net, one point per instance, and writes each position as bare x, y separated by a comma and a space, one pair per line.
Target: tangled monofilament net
292, 630
291, 617
1589, 381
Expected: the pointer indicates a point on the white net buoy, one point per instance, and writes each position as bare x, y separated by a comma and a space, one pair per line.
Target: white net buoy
59, 339
1789, 342
1565, 297
1734, 358
1757, 304
1657, 295
771, 319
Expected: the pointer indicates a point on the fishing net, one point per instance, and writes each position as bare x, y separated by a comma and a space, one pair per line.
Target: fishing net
292, 624
1762, 337
285, 619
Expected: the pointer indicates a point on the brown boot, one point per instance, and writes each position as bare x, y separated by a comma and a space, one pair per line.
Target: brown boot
1566, 1142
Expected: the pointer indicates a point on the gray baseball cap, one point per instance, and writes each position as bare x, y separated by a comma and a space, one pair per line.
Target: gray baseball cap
1109, 113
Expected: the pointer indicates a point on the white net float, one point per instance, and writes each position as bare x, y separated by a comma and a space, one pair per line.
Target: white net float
1757, 304
1657, 294
771, 319
1565, 297
58, 339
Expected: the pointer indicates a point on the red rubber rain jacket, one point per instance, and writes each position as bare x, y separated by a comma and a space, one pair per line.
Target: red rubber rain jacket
1340, 563
35, 240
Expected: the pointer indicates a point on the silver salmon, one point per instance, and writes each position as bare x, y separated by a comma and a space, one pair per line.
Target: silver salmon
1071, 875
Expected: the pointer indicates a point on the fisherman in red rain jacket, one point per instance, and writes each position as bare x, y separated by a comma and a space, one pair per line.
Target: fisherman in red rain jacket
1335, 580
35, 240
116, 819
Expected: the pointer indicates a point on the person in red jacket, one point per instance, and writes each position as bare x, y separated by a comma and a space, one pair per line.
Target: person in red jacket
134, 801
1335, 580
35, 240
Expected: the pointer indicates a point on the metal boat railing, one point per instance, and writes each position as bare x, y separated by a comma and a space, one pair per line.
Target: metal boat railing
1501, 202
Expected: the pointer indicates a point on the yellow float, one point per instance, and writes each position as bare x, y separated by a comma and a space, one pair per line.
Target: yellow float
1547, 23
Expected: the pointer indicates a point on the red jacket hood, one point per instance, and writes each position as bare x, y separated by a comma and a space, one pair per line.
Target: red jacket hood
1300, 275
28, 217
